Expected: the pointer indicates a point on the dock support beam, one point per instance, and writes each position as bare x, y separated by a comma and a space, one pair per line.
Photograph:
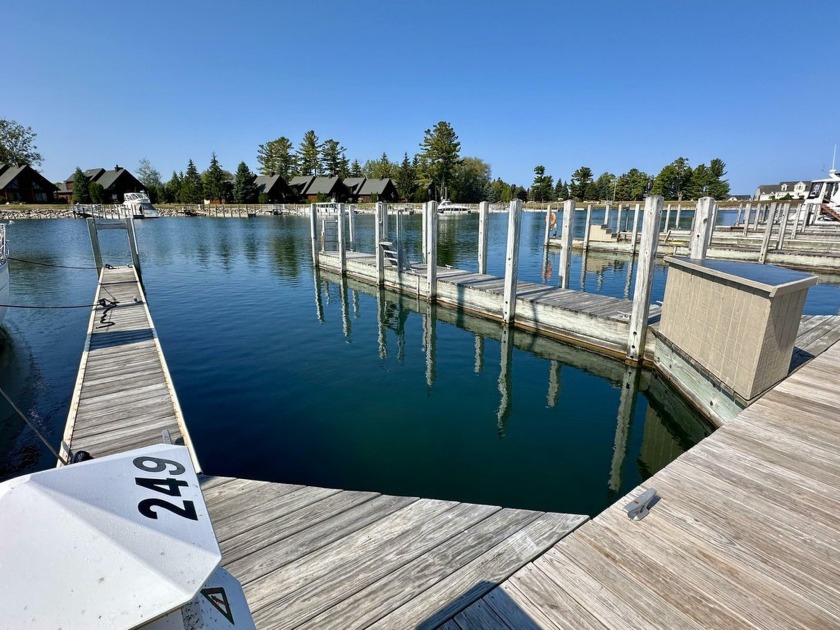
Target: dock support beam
796, 214
701, 228
667, 216
94, 243
511, 261
644, 279
379, 236
677, 220
566, 243
431, 218
313, 233
483, 217
618, 222
607, 216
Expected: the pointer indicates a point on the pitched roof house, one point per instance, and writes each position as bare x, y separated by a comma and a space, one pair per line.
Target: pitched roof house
312, 187
275, 188
22, 183
378, 190
115, 183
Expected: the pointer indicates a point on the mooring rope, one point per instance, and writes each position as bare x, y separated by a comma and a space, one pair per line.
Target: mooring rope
33, 427
43, 264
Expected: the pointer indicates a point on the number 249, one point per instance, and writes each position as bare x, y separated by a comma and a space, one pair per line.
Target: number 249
169, 486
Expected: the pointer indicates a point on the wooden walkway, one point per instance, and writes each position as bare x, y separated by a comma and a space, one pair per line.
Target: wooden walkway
317, 558
593, 321
746, 533
123, 397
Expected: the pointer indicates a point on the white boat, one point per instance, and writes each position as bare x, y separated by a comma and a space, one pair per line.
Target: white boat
138, 206
4, 272
823, 200
447, 208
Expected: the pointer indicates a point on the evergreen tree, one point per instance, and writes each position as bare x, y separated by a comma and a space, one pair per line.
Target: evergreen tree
673, 180
718, 187
381, 168
356, 169
191, 186
542, 188
440, 153
172, 188
277, 156
81, 187
333, 159
561, 190
214, 181
581, 183
405, 178
96, 192
244, 187
602, 187
309, 155
520, 193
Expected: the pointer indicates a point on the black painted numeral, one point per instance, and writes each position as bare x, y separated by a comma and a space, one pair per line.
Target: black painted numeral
159, 465
188, 511
167, 486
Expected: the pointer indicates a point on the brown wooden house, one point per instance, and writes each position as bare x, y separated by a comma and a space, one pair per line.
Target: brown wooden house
115, 183
378, 190
313, 188
23, 184
275, 188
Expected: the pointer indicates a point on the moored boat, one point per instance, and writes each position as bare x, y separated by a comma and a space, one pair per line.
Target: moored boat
447, 208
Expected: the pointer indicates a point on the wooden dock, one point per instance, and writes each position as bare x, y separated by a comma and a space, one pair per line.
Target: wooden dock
746, 533
123, 397
307, 557
318, 558
592, 321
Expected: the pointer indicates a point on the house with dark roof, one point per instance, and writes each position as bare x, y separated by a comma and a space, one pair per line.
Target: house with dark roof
314, 188
115, 183
354, 186
22, 183
782, 190
378, 190
275, 189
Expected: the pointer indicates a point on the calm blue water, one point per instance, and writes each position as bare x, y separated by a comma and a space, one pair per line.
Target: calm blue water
357, 389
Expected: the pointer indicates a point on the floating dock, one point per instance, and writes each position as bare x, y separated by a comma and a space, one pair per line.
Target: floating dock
123, 397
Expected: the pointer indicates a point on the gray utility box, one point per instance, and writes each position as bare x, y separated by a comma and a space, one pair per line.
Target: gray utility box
736, 320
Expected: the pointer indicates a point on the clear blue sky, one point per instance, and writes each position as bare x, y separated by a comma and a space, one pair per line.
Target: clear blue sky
610, 85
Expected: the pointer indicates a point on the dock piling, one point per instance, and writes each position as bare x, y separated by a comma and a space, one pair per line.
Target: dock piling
635, 230
587, 226
747, 219
566, 243
313, 233
780, 243
768, 230
796, 214
512, 261
342, 245
700, 231
607, 217
483, 217
547, 235
379, 236
667, 216
431, 220
352, 218
644, 279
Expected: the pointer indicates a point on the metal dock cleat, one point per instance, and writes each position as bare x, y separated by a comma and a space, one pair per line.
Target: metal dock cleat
639, 507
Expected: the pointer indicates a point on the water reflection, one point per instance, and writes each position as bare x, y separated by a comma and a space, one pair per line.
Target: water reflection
666, 428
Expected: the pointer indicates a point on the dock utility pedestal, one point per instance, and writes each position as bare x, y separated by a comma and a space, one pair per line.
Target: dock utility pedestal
736, 321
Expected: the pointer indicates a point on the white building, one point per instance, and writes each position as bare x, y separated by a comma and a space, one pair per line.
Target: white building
782, 190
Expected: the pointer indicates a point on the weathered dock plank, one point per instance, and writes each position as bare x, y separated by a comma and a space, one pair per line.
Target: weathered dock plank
745, 533
124, 396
